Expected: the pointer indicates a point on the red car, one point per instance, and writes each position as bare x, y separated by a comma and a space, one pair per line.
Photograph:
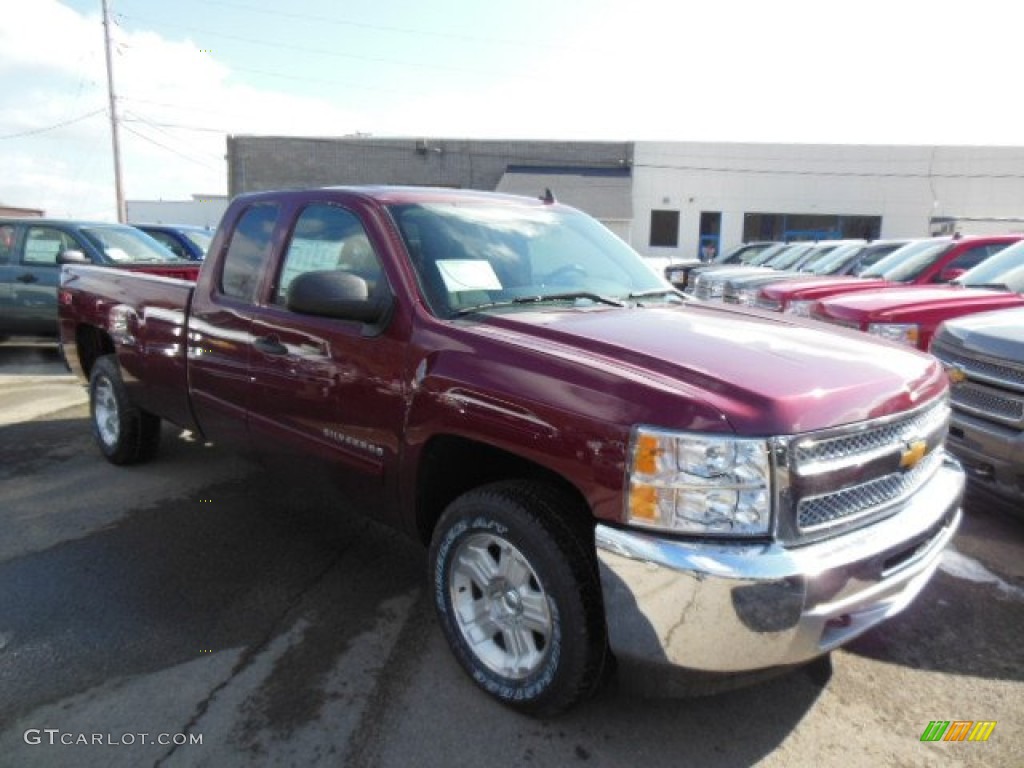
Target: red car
923, 262
910, 315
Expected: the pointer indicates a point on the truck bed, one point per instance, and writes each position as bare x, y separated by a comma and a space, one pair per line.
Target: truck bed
145, 315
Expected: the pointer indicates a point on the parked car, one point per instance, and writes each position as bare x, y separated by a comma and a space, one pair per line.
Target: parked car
183, 240
677, 274
761, 258
931, 261
711, 285
586, 455
844, 258
984, 356
33, 250
911, 314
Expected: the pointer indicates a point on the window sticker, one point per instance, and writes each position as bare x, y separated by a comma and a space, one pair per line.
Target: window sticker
117, 254
468, 275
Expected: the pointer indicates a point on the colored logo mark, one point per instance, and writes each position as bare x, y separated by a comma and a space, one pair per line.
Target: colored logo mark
958, 730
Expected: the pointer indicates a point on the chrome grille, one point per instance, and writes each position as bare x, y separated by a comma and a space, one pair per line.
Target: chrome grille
816, 513
813, 455
850, 475
992, 404
977, 368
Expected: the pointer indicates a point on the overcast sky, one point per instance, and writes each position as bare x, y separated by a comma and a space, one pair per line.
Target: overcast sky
189, 72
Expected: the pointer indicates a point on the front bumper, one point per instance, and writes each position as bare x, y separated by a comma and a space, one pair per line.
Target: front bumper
730, 608
992, 455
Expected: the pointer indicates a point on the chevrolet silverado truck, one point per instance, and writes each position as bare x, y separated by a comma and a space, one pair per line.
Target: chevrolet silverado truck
924, 262
984, 354
31, 254
910, 315
601, 468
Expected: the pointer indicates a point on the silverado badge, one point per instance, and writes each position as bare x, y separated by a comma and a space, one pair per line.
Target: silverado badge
956, 374
913, 454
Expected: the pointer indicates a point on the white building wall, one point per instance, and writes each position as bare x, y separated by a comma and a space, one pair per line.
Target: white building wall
904, 185
200, 211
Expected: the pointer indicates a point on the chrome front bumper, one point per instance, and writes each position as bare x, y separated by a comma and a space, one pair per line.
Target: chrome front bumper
718, 607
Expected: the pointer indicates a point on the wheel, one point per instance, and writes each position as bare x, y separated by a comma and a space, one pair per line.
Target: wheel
518, 596
125, 433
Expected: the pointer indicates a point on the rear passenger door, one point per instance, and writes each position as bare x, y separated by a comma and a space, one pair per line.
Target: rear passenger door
220, 326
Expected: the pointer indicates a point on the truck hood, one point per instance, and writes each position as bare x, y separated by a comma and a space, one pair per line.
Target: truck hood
906, 304
997, 334
763, 374
812, 288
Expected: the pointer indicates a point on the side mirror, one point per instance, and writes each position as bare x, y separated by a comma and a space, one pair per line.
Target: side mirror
73, 256
337, 294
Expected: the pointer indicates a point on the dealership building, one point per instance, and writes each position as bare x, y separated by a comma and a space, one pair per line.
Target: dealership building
677, 199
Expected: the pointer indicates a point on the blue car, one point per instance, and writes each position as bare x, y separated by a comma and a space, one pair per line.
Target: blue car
184, 240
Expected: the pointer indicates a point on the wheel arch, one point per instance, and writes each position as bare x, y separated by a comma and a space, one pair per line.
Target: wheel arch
91, 343
477, 464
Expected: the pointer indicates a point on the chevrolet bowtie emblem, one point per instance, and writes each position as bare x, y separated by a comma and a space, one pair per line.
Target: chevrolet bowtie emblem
913, 454
956, 374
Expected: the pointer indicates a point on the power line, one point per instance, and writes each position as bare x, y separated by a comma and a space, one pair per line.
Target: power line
476, 39
169, 149
55, 126
277, 44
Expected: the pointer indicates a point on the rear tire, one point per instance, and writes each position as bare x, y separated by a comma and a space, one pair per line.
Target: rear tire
517, 594
125, 433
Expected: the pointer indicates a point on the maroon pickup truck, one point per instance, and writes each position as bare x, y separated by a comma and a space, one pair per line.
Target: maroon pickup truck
600, 467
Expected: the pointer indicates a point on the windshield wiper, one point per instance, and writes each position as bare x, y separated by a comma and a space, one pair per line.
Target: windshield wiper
541, 298
658, 292
993, 286
569, 296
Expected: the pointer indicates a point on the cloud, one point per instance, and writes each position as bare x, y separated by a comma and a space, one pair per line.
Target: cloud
176, 102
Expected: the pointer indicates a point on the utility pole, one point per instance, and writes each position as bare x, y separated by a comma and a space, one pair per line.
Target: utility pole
122, 213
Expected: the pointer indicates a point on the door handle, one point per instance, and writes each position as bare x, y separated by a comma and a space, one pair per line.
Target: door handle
28, 277
270, 345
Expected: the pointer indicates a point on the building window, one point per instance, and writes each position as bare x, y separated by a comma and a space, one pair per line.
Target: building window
665, 229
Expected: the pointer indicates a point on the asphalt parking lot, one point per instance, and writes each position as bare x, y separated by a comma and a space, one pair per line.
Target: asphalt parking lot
201, 597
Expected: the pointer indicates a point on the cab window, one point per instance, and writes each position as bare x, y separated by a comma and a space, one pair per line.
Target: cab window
249, 252
327, 237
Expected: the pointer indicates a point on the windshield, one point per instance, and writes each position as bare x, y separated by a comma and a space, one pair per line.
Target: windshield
790, 256
474, 255
768, 254
1005, 269
127, 245
836, 259
906, 263
201, 240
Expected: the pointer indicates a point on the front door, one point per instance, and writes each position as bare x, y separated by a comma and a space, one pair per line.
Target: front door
328, 388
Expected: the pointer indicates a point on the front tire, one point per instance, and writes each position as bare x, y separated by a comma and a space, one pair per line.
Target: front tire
125, 433
517, 594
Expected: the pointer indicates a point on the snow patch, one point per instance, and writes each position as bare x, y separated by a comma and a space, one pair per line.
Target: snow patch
959, 566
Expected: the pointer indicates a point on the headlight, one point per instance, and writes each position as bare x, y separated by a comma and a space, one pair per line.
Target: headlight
766, 303
905, 333
747, 296
699, 484
800, 308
